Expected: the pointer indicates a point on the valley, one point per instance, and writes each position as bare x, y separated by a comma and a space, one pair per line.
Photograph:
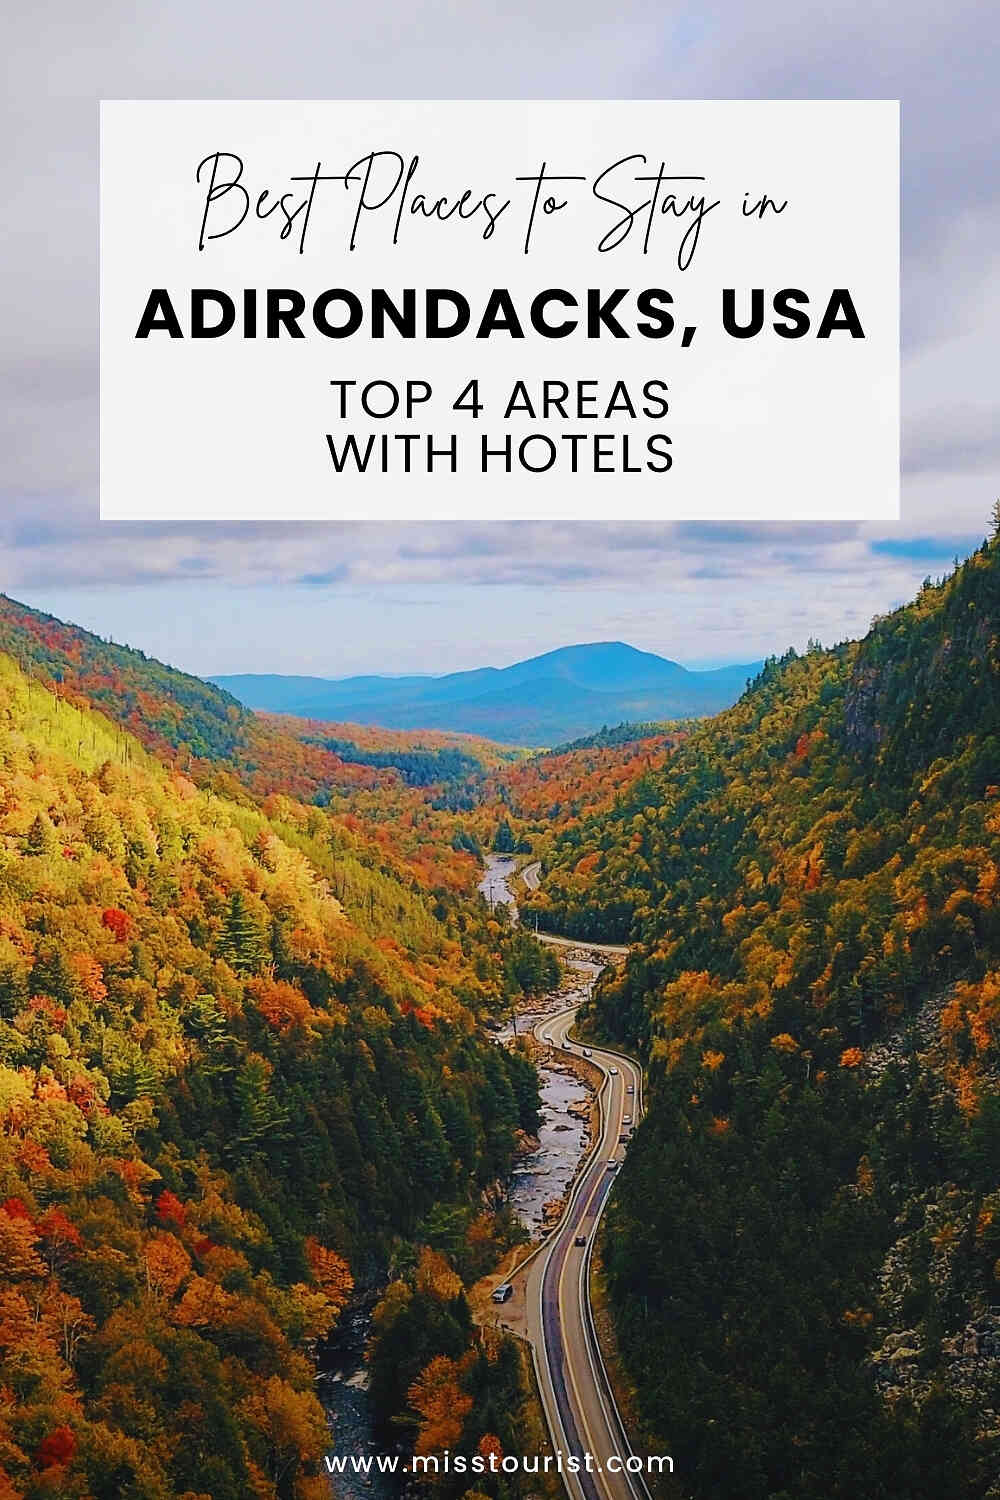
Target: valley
259, 1072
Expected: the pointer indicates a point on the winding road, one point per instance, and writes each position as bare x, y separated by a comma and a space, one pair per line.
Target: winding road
550, 1305
551, 1302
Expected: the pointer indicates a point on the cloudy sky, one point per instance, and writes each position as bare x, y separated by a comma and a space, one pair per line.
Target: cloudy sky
339, 599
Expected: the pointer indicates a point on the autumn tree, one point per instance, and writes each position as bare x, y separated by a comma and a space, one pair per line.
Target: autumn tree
442, 1404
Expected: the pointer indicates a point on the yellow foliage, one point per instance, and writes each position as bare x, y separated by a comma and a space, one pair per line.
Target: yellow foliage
435, 1276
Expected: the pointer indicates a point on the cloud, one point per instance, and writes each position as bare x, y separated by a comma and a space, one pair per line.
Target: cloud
61, 58
954, 439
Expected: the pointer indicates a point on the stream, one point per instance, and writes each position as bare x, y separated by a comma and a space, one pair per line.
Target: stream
343, 1390
493, 887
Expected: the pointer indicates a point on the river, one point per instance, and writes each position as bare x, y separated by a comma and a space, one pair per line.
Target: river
539, 1178
343, 1390
493, 887
547, 1173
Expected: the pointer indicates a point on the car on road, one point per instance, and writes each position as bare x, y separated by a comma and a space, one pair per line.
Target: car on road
613, 1072
626, 1119
587, 1052
503, 1293
581, 1239
612, 1167
630, 1089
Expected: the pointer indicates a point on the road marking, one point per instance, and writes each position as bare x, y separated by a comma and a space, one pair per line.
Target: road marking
572, 1223
636, 1482
584, 1419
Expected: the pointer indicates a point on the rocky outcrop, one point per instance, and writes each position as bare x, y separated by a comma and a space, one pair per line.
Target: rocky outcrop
862, 728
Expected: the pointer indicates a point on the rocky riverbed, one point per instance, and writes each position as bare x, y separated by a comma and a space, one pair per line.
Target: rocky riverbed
544, 1175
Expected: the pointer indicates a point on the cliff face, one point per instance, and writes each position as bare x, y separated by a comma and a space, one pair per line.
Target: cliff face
862, 702
930, 673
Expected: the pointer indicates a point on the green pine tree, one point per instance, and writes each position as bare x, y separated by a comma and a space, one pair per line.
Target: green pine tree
41, 837
503, 841
242, 942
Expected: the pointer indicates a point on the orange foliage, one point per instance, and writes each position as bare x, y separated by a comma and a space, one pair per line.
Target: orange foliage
489, 1446
167, 1264
435, 1276
18, 1238
281, 1004
441, 1402
204, 1304
564, 787
91, 976
330, 1272
170, 1209
291, 1422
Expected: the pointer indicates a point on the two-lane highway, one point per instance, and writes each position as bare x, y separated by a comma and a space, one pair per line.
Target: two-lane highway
551, 1298
579, 1405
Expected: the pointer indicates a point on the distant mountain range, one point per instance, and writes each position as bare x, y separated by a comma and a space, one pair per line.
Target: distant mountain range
558, 696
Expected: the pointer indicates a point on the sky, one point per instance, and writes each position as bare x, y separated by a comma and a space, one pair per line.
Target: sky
334, 600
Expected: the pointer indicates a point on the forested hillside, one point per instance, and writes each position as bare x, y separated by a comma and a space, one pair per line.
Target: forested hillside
453, 752
557, 799
803, 1249
192, 724
239, 1069
565, 785
213, 740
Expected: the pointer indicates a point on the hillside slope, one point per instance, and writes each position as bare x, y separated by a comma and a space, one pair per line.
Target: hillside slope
803, 1251
239, 1066
190, 723
169, 711
216, 742
556, 696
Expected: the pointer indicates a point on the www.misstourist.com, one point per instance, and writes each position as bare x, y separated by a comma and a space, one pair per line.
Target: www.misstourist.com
495, 1463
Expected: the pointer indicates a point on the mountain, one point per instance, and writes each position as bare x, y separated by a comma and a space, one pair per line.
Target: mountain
560, 695
803, 1250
